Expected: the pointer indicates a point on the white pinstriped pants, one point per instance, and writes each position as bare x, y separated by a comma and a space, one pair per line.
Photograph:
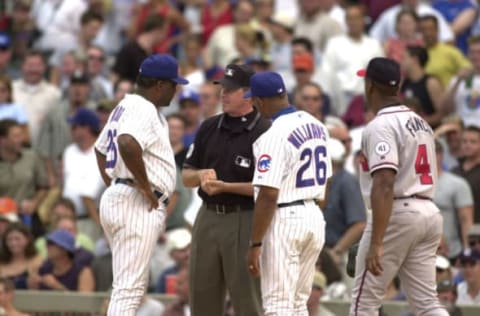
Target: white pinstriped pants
132, 232
291, 247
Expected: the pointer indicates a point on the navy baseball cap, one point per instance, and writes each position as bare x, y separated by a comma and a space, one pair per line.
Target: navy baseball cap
86, 117
161, 66
4, 40
265, 84
189, 95
382, 70
469, 256
236, 76
63, 239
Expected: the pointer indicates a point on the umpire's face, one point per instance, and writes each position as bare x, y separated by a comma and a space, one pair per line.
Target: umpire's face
233, 102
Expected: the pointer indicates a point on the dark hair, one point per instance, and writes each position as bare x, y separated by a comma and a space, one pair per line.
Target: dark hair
153, 22
34, 53
406, 11
6, 125
305, 42
429, 17
89, 16
30, 250
314, 85
418, 52
472, 128
8, 284
67, 203
177, 116
8, 84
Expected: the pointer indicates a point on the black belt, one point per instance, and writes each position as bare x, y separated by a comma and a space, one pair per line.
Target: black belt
226, 209
130, 182
415, 196
293, 203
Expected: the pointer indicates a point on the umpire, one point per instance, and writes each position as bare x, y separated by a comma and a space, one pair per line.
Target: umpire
221, 162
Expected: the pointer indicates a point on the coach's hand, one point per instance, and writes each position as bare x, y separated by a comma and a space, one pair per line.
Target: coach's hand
253, 261
373, 260
151, 198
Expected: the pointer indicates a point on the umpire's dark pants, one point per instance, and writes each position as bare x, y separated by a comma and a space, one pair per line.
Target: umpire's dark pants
218, 264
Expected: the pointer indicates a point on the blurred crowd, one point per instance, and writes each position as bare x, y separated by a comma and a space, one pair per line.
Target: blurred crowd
64, 65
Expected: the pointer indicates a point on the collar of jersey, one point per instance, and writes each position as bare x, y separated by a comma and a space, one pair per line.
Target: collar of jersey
287, 110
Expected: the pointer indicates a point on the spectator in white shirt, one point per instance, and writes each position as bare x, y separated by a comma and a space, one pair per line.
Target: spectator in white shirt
338, 67
384, 27
469, 290
83, 185
335, 11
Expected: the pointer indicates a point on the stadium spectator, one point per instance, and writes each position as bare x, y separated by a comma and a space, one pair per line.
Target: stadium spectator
71, 63
8, 215
406, 26
445, 60
191, 66
189, 102
22, 174
18, 257
215, 15
425, 87
315, 24
443, 269
450, 132
54, 135
7, 289
121, 88
314, 306
384, 27
83, 185
103, 110
96, 70
463, 94
180, 307
460, 14
251, 44
470, 165
60, 271
220, 49
447, 295
374, 8
453, 197
11, 110
335, 11
303, 69
337, 67
209, 100
281, 28
131, 55
474, 237
178, 246
34, 93
469, 290
6, 65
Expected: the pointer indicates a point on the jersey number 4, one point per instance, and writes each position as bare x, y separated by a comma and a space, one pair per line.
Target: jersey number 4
111, 135
319, 165
422, 166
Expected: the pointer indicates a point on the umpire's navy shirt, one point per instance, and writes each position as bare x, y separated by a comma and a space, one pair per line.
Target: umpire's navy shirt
224, 143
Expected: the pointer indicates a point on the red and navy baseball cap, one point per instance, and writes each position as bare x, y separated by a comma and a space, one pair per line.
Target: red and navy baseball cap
236, 77
382, 70
265, 84
161, 66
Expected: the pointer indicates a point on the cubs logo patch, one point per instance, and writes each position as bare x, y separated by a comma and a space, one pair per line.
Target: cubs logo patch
263, 164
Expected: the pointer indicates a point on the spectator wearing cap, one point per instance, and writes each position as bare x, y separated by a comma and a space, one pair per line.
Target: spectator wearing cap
54, 135
7, 290
83, 185
315, 24
18, 258
178, 246
221, 164
303, 68
281, 27
454, 198
131, 55
22, 174
447, 295
315, 308
34, 93
189, 102
337, 67
345, 214
425, 87
60, 272
8, 214
469, 290
443, 267
220, 49
445, 60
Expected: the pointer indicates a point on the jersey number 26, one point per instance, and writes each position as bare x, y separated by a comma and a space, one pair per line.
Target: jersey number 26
318, 164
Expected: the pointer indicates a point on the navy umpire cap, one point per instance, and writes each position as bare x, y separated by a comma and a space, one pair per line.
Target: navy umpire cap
161, 66
265, 84
382, 70
236, 77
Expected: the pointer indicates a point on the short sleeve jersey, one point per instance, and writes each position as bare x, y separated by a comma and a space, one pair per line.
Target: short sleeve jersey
137, 117
293, 157
401, 140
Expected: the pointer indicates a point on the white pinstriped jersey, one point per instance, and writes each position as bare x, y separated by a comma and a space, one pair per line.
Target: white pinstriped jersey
292, 156
399, 139
136, 116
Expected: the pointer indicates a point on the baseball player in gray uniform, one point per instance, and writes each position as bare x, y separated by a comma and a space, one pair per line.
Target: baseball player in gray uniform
292, 169
398, 177
137, 163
